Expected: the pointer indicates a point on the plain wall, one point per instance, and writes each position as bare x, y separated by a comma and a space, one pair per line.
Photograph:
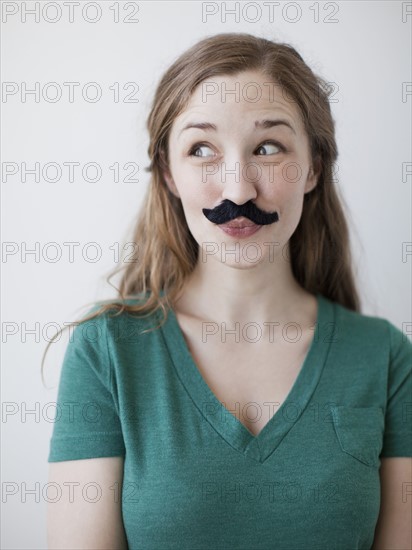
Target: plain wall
365, 53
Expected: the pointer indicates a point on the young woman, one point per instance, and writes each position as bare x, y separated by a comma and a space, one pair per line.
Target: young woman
234, 396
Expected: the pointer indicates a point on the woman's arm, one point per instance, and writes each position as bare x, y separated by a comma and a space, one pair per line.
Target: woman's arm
74, 522
394, 529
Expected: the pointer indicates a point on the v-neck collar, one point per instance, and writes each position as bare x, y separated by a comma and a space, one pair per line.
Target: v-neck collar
257, 447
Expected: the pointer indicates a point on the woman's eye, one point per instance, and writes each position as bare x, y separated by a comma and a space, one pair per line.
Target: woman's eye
202, 150
194, 151
270, 147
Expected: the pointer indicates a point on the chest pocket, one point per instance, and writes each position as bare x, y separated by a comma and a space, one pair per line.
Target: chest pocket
360, 432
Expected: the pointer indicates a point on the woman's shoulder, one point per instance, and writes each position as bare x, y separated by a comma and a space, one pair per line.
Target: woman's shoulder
119, 317
372, 330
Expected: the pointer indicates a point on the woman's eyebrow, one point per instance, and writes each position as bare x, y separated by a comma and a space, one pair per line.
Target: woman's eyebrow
269, 123
259, 124
201, 125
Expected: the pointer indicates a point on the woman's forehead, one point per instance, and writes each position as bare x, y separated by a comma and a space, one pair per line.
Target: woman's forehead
215, 115
248, 94
248, 86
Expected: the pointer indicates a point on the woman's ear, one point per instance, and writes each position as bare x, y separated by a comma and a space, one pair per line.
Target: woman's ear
170, 183
314, 173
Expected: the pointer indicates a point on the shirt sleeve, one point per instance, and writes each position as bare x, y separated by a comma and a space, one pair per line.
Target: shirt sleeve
87, 423
397, 439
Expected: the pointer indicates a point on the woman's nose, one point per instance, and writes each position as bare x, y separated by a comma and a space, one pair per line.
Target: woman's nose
238, 181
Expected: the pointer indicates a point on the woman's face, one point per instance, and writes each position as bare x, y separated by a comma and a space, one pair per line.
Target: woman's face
241, 159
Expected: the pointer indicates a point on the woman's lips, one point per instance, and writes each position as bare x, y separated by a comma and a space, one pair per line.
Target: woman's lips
239, 222
240, 227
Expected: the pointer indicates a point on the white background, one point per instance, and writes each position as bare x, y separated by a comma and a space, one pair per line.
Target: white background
366, 53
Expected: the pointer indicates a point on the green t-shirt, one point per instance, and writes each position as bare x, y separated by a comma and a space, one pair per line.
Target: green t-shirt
196, 478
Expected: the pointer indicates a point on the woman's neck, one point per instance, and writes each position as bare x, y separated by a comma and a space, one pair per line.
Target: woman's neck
218, 292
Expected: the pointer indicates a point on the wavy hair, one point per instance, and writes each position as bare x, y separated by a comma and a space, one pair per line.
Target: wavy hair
319, 248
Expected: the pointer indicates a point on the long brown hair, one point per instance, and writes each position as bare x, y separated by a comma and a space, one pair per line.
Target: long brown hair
167, 252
